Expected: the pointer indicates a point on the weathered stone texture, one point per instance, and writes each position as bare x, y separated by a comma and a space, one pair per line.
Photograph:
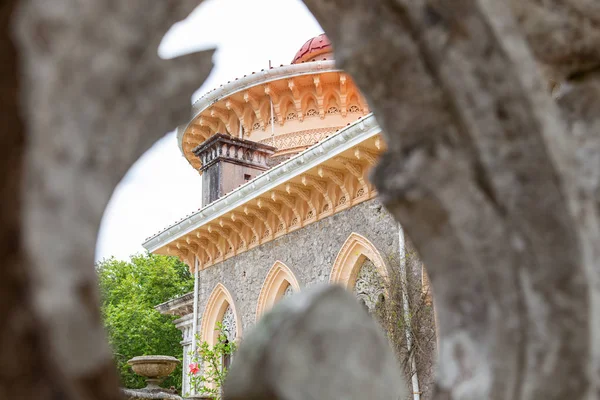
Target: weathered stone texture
309, 252
95, 96
480, 171
320, 344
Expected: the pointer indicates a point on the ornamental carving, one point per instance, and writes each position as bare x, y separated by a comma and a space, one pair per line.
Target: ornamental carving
299, 139
229, 324
369, 287
249, 106
289, 290
300, 198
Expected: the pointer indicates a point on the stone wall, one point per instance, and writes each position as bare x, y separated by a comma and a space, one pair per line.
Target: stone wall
309, 252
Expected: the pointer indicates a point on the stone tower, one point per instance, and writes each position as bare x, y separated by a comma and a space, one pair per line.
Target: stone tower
228, 162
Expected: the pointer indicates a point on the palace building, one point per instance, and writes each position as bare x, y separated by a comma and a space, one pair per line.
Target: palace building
284, 155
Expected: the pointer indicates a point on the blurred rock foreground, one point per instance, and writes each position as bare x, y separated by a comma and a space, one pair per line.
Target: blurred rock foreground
493, 177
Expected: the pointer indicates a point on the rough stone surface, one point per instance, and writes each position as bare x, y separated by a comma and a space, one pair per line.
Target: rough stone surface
153, 366
130, 394
481, 172
21, 349
94, 96
319, 344
309, 253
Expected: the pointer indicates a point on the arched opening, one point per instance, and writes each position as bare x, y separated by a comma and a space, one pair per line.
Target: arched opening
220, 308
309, 105
332, 103
288, 108
355, 250
280, 282
228, 321
360, 268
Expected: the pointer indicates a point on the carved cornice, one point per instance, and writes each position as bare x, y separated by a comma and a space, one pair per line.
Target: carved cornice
247, 103
350, 257
180, 306
300, 140
318, 182
233, 150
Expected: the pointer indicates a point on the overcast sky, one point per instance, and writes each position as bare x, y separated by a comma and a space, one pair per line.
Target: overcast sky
162, 187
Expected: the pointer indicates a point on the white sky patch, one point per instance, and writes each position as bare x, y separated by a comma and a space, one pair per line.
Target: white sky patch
161, 187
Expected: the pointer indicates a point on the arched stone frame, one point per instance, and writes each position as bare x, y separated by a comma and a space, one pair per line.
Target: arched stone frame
305, 102
274, 286
332, 99
287, 106
215, 308
350, 258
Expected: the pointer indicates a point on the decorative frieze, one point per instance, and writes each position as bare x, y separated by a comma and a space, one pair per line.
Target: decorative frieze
226, 148
292, 93
228, 162
296, 141
180, 306
323, 180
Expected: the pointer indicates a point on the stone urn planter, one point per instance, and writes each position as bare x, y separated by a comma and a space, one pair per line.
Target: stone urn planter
154, 368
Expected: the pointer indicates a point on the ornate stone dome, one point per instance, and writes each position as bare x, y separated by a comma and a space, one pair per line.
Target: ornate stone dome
290, 107
313, 48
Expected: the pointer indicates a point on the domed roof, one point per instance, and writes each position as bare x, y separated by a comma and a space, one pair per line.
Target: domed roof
313, 48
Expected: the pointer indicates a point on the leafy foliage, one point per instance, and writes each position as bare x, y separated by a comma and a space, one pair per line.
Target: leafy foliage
129, 291
418, 320
209, 381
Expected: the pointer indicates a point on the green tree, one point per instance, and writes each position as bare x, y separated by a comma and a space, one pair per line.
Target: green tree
129, 291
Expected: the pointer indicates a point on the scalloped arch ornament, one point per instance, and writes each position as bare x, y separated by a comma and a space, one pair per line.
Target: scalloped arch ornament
216, 306
350, 258
279, 278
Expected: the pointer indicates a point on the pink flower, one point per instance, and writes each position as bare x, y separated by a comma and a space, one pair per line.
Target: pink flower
194, 369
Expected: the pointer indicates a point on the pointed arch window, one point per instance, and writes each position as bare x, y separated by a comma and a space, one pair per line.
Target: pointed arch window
280, 282
220, 308
360, 268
